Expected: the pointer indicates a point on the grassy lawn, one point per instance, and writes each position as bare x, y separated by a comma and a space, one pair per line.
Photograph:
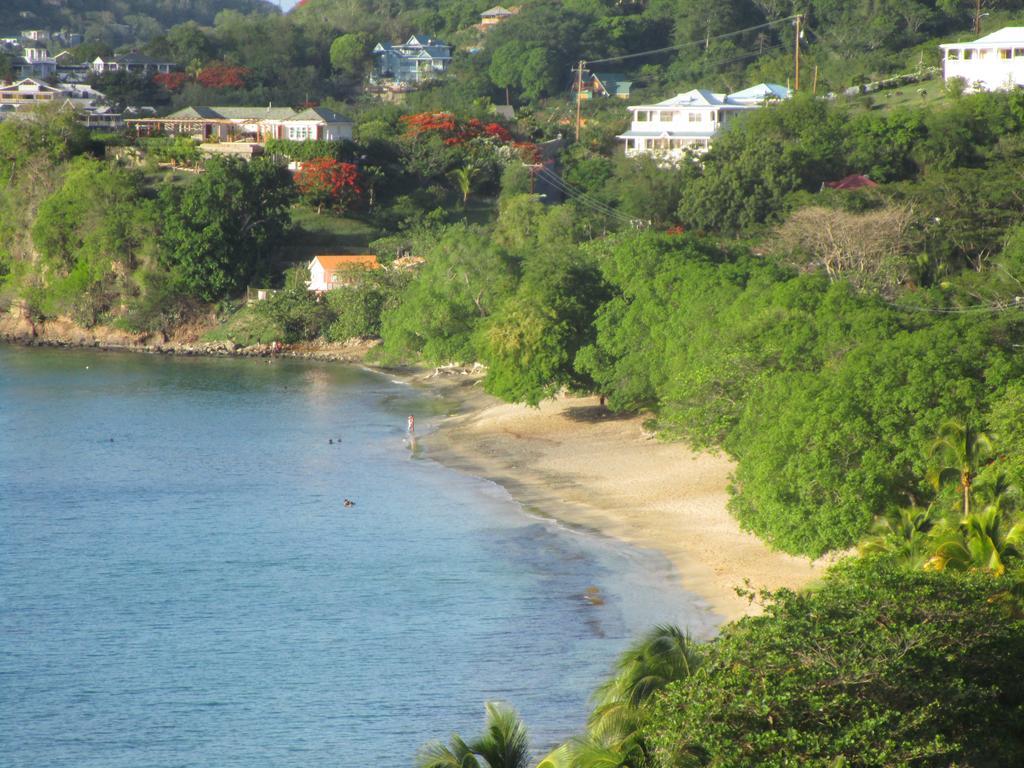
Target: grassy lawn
325, 233
927, 93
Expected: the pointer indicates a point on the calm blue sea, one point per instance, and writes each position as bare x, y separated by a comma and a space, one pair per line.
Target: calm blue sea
181, 585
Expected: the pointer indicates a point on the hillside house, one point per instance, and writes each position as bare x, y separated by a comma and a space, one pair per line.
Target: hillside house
136, 63
86, 101
687, 123
329, 272
496, 15
605, 84
251, 124
990, 63
34, 62
419, 58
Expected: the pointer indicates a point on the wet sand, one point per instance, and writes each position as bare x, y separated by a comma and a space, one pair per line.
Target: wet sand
573, 460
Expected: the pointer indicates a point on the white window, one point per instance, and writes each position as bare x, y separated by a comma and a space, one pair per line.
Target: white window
952, 54
298, 132
642, 117
695, 117
1005, 53
630, 143
1018, 53
968, 53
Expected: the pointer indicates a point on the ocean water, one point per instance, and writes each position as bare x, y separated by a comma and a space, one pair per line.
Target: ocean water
181, 584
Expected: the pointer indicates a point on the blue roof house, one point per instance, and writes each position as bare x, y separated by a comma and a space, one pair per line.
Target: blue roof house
418, 59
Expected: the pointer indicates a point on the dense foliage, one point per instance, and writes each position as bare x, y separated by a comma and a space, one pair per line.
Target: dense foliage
120, 22
877, 667
220, 231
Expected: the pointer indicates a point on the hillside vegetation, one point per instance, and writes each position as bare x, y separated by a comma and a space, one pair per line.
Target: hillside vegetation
142, 19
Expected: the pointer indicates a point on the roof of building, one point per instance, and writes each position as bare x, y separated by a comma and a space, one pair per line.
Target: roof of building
760, 92
332, 263
134, 57
1005, 36
232, 113
496, 11
853, 181
41, 86
320, 113
746, 98
614, 82
417, 46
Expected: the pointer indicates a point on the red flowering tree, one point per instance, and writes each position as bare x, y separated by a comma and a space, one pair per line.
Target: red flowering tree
453, 130
325, 181
170, 81
218, 75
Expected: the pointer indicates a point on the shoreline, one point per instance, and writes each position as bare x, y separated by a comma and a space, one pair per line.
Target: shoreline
570, 460
18, 331
575, 462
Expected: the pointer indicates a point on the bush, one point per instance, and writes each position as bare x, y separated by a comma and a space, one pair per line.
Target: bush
878, 667
300, 314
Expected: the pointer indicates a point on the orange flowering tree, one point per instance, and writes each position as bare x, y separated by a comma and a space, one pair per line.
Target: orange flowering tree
218, 75
326, 182
171, 81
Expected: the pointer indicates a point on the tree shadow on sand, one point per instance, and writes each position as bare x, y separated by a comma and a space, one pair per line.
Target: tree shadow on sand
596, 413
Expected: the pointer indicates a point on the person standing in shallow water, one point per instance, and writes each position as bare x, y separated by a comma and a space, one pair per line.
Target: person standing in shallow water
412, 423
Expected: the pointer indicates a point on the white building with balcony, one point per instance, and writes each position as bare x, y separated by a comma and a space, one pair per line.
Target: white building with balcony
688, 122
990, 63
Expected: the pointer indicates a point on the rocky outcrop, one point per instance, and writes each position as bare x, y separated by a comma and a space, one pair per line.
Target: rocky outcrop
18, 329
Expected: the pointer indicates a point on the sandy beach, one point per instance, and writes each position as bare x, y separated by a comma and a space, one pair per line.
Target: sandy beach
573, 460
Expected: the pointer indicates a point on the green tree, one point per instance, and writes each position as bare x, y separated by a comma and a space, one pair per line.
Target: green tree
44, 131
985, 540
957, 455
349, 54
221, 230
91, 235
464, 280
530, 343
876, 667
503, 744
463, 178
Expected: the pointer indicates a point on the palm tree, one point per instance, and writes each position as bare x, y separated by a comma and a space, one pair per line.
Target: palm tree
463, 178
957, 455
662, 656
503, 744
904, 535
983, 540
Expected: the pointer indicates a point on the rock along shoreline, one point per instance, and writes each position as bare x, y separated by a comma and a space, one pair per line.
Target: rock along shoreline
64, 333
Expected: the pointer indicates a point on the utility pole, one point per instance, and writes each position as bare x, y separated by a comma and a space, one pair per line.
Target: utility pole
977, 17
796, 54
579, 96
814, 88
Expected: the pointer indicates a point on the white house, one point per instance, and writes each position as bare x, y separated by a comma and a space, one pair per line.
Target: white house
249, 124
34, 62
136, 63
687, 123
329, 272
316, 123
989, 63
86, 101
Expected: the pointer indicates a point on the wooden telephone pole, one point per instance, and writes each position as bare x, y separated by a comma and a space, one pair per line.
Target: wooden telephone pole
579, 96
796, 54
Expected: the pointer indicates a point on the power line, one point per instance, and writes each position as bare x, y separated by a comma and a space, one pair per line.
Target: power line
692, 43
582, 197
564, 186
